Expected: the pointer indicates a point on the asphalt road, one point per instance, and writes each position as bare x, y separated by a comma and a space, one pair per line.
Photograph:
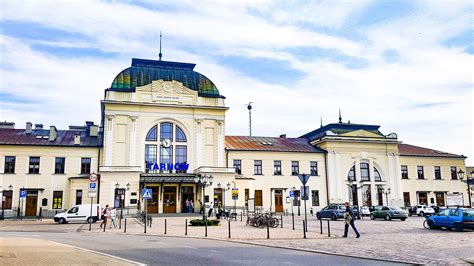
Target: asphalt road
157, 250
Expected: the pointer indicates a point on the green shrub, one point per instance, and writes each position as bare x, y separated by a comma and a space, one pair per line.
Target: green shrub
200, 222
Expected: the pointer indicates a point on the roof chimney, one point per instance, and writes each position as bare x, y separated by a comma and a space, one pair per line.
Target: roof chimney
94, 130
29, 126
7, 125
53, 133
77, 139
38, 126
283, 136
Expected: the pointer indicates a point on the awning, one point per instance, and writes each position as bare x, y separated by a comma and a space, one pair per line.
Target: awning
79, 177
244, 178
167, 178
32, 189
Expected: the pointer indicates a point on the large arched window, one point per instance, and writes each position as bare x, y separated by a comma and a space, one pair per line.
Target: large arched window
364, 173
168, 145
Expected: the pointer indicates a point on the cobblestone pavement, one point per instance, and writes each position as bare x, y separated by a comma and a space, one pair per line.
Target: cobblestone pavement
395, 240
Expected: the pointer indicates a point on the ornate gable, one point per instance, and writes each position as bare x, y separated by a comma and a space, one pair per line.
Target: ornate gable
360, 133
170, 92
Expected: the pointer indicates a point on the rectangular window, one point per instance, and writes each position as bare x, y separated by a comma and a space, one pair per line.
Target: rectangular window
315, 197
364, 172
406, 199
7, 203
257, 167
166, 155
422, 198
313, 168
454, 173
404, 172
277, 167
59, 165
9, 164
437, 172
57, 199
295, 168
78, 197
85, 166
166, 131
421, 172
181, 155
238, 166
258, 198
34, 165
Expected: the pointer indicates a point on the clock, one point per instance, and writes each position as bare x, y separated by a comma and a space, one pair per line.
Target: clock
166, 143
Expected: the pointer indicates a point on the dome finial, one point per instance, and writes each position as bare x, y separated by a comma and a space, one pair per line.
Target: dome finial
160, 54
340, 117
321, 122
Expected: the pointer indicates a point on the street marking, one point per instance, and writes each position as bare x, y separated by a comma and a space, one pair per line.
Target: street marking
103, 254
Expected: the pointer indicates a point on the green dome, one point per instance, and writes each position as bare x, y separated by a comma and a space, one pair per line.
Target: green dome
143, 72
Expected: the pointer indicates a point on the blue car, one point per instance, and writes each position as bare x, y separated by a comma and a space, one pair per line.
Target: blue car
335, 211
459, 219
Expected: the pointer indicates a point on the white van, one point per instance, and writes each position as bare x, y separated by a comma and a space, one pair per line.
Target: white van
79, 213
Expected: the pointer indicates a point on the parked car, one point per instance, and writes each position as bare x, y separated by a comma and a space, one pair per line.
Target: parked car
335, 211
365, 211
458, 218
388, 213
421, 210
79, 213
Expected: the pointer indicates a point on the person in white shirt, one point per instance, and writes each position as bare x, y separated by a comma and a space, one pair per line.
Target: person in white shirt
113, 215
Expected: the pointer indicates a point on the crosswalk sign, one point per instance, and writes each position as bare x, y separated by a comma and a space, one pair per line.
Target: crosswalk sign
146, 194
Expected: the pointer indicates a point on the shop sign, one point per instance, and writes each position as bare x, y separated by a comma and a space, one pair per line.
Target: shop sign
168, 167
235, 193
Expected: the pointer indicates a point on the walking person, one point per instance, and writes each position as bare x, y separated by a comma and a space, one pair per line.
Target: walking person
105, 214
201, 209
113, 215
187, 205
191, 205
349, 218
210, 210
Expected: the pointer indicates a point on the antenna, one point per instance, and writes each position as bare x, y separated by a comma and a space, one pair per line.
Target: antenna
321, 122
340, 117
160, 54
249, 107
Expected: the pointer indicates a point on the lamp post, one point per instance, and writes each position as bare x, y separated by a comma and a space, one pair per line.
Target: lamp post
292, 198
385, 192
203, 181
468, 182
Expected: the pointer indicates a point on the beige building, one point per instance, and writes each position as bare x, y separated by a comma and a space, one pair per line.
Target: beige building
163, 129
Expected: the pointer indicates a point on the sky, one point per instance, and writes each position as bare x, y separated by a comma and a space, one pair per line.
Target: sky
404, 65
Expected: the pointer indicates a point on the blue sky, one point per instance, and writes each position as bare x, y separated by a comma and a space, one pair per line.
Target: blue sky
391, 63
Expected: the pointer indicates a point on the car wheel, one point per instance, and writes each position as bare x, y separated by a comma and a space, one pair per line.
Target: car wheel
458, 227
334, 216
403, 219
431, 224
62, 221
318, 216
422, 214
372, 217
387, 217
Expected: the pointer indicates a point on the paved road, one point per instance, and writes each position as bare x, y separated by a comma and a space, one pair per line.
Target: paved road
180, 251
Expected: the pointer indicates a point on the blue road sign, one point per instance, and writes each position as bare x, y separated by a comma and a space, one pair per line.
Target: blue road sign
22, 194
292, 193
146, 194
304, 178
92, 185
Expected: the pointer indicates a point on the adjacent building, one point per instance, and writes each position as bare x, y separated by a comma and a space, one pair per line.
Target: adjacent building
163, 128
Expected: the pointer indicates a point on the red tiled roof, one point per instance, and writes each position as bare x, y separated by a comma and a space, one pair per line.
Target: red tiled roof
246, 143
40, 137
411, 150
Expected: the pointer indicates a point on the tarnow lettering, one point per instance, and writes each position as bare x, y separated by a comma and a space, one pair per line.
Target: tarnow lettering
168, 167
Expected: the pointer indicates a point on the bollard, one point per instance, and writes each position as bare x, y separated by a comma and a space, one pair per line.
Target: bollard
329, 230
321, 225
268, 230
229, 228
186, 227
165, 226
293, 220
281, 224
120, 222
304, 229
241, 216
205, 224
151, 219
125, 226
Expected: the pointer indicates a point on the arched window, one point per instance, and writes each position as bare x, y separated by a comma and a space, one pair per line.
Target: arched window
171, 148
351, 176
151, 134
377, 176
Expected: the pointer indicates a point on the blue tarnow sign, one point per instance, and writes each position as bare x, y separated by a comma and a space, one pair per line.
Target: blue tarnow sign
168, 167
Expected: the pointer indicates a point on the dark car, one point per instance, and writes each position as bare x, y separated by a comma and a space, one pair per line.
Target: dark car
335, 211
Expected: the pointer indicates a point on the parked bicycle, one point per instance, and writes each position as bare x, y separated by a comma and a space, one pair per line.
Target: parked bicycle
261, 220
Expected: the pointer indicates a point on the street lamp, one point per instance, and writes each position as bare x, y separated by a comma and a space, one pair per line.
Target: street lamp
468, 182
204, 181
385, 192
128, 186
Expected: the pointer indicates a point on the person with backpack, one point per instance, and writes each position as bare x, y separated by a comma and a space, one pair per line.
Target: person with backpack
113, 215
105, 214
349, 218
